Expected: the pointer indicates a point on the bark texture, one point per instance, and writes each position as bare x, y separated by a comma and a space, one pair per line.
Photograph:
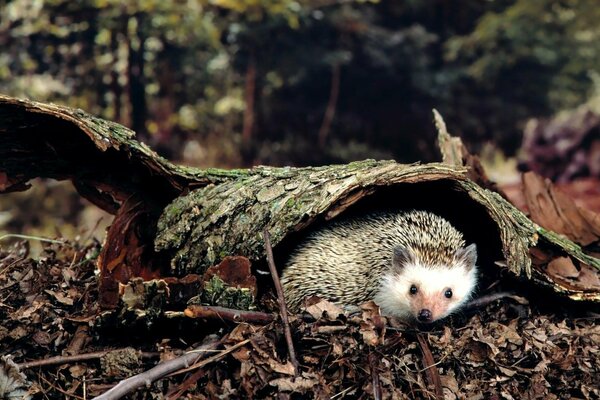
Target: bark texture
189, 219
218, 220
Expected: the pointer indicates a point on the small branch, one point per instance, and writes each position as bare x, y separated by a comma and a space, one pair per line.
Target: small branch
177, 392
72, 359
27, 237
281, 300
433, 375
490, 298
216, 357
59, 389
130, 384
377, 395
228, 314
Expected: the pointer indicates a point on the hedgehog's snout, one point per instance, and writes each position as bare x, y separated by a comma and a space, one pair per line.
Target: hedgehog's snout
424, 315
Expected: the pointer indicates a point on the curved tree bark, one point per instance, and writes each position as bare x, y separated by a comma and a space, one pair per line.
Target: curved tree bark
172, 220
51, 141
218, 220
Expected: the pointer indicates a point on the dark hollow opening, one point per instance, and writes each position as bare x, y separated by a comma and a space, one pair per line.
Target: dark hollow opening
443, 197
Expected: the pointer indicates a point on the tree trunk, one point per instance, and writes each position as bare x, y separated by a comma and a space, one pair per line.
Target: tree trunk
249, 113
135, 74
331, 105
115, 86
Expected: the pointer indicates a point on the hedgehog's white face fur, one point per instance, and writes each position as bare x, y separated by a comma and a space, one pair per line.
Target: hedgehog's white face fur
412, 289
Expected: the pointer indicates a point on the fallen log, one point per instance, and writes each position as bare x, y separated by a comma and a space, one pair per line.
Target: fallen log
173, 221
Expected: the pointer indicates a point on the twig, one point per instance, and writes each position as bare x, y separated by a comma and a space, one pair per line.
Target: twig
12, 264
132, 383
72, 359
228, 314
375, 376
216, 357
198, 374
38, 238
490, 298
177, 392
343, 392
59, 389
281, 300
433, 375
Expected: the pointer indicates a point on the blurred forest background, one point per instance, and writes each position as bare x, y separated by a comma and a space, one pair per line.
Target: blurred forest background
230, 83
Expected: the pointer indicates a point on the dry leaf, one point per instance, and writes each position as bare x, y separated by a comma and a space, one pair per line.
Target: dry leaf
60, 297
299, 384
13, 383
324, 309
554, 210
563, 267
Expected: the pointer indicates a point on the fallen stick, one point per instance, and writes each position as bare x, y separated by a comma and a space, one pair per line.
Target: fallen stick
490, 298
132, 383
377, 394
433, 375
210, 359
228, 314
282, 306
73, 359
178, 391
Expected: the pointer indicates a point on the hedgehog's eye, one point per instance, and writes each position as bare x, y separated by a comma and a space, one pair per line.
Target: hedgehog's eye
413, 289
448, 293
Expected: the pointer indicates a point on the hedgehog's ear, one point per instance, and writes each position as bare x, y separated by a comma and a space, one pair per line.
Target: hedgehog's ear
468, 255
402, 256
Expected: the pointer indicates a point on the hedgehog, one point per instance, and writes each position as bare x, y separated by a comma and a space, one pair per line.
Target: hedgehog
413, 264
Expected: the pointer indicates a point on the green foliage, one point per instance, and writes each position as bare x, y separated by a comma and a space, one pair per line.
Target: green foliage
531, 58
189, 75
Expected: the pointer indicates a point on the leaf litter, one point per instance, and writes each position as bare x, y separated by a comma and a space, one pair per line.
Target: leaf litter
505, 350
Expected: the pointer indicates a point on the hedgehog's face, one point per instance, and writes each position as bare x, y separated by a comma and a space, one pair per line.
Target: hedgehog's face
424, 292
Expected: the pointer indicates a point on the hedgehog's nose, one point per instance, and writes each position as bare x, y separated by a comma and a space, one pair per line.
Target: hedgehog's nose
424, 315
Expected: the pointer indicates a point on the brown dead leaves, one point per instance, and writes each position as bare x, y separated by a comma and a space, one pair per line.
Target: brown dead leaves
554, 210
41, 299
551, 208
356, 355
533, 359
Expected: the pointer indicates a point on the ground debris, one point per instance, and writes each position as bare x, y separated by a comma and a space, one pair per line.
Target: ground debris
120, 363
49, 306
13, 384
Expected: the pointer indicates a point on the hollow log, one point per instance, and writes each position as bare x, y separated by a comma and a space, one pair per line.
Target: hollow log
173, 220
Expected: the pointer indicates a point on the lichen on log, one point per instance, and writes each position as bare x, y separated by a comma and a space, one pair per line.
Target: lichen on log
226, 211
228, 218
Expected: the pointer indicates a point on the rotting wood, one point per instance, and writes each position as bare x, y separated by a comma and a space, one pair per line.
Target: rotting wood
209, 223
208, 214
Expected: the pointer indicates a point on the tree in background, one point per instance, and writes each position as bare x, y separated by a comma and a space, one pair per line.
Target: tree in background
226, 82
531, 58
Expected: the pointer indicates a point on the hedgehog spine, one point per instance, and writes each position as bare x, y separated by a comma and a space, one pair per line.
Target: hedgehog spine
411, 263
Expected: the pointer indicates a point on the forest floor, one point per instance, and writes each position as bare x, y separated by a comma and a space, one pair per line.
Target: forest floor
529, 345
